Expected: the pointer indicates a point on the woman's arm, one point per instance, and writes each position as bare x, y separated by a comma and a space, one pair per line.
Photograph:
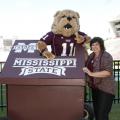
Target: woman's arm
100, 74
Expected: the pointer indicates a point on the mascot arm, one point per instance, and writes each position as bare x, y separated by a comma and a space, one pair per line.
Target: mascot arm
87, 39
42, 48
79, 38
82, 38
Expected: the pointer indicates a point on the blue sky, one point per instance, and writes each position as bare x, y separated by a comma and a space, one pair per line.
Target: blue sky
31, 19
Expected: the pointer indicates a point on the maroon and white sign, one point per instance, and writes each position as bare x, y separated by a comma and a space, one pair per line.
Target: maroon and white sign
24, 60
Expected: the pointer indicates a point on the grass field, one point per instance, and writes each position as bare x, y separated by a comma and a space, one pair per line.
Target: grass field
3, 112
115, 112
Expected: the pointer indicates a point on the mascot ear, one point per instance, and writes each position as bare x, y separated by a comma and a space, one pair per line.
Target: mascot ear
77, 14
57, 13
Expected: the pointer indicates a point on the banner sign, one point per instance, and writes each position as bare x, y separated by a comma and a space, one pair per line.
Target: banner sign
25, 60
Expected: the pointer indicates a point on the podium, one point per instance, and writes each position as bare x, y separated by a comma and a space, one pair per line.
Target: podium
40, 89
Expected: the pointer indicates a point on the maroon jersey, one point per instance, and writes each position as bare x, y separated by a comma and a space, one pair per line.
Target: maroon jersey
60, 45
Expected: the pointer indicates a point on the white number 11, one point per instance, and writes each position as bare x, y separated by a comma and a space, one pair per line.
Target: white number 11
64, 45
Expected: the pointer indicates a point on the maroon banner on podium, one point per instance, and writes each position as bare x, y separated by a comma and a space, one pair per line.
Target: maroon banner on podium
24, 60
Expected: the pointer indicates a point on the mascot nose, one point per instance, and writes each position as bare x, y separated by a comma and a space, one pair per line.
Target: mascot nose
69, 18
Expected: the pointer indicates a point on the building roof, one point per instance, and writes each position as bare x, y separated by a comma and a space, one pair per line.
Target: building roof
115, 24
113, 47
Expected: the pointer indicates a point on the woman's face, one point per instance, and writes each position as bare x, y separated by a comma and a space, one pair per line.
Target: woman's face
96, 48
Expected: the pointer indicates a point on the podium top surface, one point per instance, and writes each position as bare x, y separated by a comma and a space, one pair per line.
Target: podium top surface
25, 65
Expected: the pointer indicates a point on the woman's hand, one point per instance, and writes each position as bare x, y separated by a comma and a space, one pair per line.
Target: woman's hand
86, 70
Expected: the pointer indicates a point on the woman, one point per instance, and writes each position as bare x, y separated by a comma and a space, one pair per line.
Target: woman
99, 68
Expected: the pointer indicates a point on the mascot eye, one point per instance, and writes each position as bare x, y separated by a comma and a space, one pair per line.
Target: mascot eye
63, 16
74, 17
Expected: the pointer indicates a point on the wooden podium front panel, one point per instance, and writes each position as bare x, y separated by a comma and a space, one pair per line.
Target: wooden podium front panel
45, 102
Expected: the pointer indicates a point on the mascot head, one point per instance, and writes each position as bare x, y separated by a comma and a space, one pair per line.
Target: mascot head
66, 23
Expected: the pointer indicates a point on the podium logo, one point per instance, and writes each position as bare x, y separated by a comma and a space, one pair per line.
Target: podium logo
49, 70
20, 47
33, 65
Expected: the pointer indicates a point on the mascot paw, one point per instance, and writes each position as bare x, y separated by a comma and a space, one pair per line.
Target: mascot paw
48, 55
79, 38
41, 45
87, 39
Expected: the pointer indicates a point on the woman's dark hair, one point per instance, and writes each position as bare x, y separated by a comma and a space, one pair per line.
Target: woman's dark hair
99, 40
